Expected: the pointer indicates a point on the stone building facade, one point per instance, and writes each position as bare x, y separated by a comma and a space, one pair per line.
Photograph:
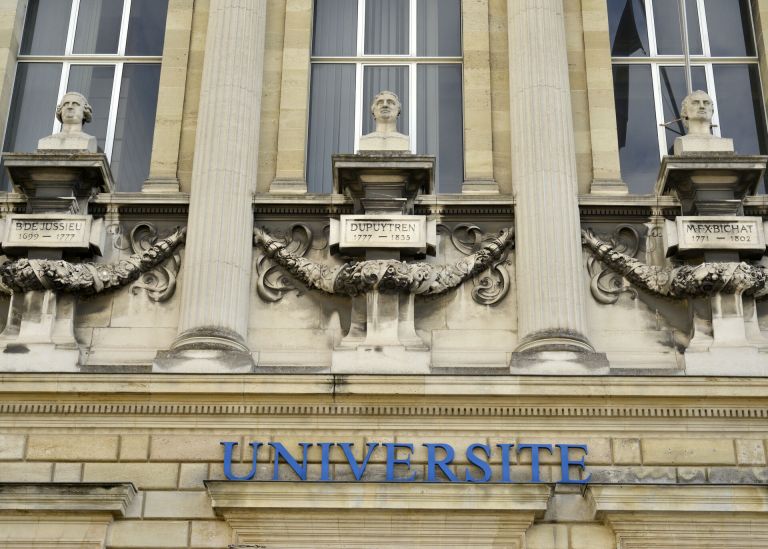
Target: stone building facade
575, 355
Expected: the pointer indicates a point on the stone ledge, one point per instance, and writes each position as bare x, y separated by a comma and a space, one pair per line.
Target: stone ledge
377, 496
67, 497
661, 498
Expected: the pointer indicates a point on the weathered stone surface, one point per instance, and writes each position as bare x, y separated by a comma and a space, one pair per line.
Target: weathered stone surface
72, 447
12, 447
177, 505
141, 534
143, 475
701, 451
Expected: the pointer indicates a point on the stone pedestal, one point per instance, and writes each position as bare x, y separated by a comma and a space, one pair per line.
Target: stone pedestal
383, 186
711, 187
39, 334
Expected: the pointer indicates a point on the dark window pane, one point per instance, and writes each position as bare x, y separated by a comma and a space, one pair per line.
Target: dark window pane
628, 28
135, 125
666, 17
45, 28
331, 121
636, 124
146, 27
673, 91
95, 83
730, 28
740, 107
386, 27
98, 26
440, 126
335, 28
377, 79
33, 109
439, 28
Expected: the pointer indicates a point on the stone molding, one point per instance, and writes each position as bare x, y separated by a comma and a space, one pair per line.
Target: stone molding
67, 497
407, 411
375, 495
680, 499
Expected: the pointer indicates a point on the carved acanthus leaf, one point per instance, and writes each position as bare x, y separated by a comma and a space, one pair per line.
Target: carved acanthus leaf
87, 278
391, 276
686, 281
494, 286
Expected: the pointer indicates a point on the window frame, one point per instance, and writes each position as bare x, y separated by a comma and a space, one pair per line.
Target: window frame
411, 60
705, 60
68, 59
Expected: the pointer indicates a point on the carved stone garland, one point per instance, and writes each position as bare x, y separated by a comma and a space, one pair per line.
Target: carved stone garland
388, 276
87, 278
686, 281
607, 286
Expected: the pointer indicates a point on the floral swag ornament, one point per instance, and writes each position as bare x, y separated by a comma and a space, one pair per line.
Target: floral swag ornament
387, 276
87, 278
686, 281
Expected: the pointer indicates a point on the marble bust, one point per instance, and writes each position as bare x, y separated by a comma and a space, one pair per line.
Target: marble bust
73, 111
385, 110
697, 111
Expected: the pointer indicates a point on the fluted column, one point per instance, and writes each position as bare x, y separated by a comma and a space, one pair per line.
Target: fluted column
217, 262
551, 297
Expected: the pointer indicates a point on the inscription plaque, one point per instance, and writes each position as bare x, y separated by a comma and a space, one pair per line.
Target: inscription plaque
395, 232
720, 233
47, 231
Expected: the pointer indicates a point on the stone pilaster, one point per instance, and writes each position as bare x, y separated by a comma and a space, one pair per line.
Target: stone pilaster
548, 247
217, 262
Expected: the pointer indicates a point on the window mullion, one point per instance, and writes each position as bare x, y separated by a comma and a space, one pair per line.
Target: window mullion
359, 70
651, 28
413, 102
62, 90
703, 28
360, 28
659, 106
124, 27
70, 44
712, 91
113, 105
413, 13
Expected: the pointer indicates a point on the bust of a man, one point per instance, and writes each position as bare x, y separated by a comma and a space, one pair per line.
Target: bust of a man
73, 111
697, 111
385, 110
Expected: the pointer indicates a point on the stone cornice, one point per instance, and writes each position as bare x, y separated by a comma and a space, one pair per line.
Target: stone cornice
67, 497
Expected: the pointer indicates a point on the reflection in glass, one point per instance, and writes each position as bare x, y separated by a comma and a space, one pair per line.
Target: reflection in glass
386, 27
146, 27
135, 125
730, 28
636, 124
33, 106
666, 17
98, 26
335, 28
45, 28
95, 83
628, 28
376, 79
331, 121
673, 91
740, 108
439, 123
439, 28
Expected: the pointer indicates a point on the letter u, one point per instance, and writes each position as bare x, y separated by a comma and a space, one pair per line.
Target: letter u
228, 449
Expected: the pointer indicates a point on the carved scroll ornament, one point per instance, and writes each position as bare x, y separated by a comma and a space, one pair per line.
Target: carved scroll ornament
87, 278
388, 276
686, 281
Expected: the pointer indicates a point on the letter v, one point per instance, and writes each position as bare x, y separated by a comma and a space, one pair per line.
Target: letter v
357, 470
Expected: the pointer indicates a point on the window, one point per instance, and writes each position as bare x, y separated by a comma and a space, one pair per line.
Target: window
411, 47
108, 50
649, 78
